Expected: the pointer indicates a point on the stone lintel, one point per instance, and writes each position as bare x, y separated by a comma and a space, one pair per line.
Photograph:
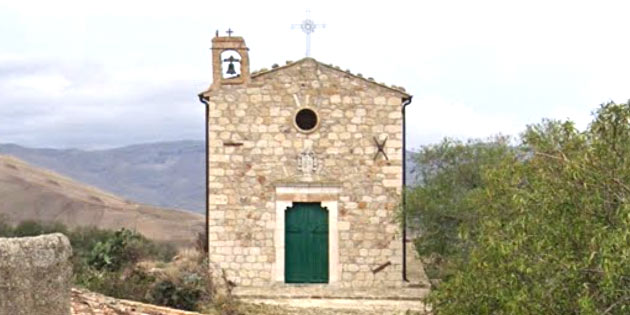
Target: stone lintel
306, 197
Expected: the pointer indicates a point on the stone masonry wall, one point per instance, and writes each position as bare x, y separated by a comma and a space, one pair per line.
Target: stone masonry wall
35, 275
259, 115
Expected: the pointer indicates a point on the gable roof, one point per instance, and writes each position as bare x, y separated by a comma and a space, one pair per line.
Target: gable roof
289, 64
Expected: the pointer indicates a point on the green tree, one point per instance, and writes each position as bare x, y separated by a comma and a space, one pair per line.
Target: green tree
552, 234
449, 175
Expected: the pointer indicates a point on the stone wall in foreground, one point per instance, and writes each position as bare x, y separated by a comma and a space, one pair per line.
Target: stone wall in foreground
35, 275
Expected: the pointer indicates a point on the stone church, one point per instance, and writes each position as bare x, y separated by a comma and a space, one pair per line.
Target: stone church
305, 173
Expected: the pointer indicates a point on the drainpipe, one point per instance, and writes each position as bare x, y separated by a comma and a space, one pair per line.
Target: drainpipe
405, 101
203, 100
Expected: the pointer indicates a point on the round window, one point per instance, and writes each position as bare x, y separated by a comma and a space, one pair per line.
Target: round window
306, 120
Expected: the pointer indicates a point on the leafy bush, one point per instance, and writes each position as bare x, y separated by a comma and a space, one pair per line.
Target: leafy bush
103, 260
131, 283
186, 285
551, 228
160, 251
168, 293
106, 261
115, 252
449, 176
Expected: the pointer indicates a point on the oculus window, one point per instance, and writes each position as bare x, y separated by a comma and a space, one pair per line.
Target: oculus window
306, 120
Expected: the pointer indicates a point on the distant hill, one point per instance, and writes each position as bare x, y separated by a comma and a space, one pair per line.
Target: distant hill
28, 192
165, 174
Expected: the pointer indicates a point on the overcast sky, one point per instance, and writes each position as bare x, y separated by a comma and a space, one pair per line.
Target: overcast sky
99, 74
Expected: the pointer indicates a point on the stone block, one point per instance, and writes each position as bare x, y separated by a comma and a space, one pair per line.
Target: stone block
36, 275
216, 171
392, 169
392, 183
217, 214
218, 199
253, 91
352, 268
393, 128
394, 101
343, 225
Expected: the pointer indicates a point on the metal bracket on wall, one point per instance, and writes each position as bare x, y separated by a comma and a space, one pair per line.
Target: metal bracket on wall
380, 146
381, 267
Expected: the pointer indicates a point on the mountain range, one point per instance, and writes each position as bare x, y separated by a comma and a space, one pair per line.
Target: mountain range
163, 174
32, 193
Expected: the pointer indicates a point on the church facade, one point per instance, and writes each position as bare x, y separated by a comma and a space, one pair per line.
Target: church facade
305, 170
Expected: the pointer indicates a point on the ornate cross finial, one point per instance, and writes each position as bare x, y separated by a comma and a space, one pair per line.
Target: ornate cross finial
308, 27
230, 31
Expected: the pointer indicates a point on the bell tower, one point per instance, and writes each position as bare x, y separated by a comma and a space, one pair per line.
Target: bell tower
230, 61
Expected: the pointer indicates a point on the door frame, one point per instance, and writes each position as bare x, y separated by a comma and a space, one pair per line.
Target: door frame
286, 195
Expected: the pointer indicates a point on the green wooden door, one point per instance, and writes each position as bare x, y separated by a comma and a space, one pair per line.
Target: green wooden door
306, 244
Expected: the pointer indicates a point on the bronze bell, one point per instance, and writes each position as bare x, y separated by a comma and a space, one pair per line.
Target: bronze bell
230, 69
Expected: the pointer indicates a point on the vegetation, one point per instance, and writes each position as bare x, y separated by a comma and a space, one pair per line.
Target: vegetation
540, 227
125, 264
449, 177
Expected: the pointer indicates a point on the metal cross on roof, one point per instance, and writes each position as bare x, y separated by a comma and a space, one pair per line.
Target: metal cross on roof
230, 31
308, 27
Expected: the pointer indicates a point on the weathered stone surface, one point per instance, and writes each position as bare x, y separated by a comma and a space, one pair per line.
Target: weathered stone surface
86, 302
35, 275
254, 144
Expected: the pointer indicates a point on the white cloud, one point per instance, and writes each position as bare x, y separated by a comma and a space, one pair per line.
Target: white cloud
48, 85
476, 68
431, 118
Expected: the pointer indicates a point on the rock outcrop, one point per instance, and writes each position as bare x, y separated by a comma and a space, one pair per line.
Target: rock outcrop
35, 275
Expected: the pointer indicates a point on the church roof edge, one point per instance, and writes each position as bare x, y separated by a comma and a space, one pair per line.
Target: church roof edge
330, 66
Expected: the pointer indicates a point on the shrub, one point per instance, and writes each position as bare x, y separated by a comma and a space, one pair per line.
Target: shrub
161, 251
201, 243
125, 248
450, 176
5, 229
34, 228
106, 261
115, 252
551, 229
187, 284
169, 294
131, 283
